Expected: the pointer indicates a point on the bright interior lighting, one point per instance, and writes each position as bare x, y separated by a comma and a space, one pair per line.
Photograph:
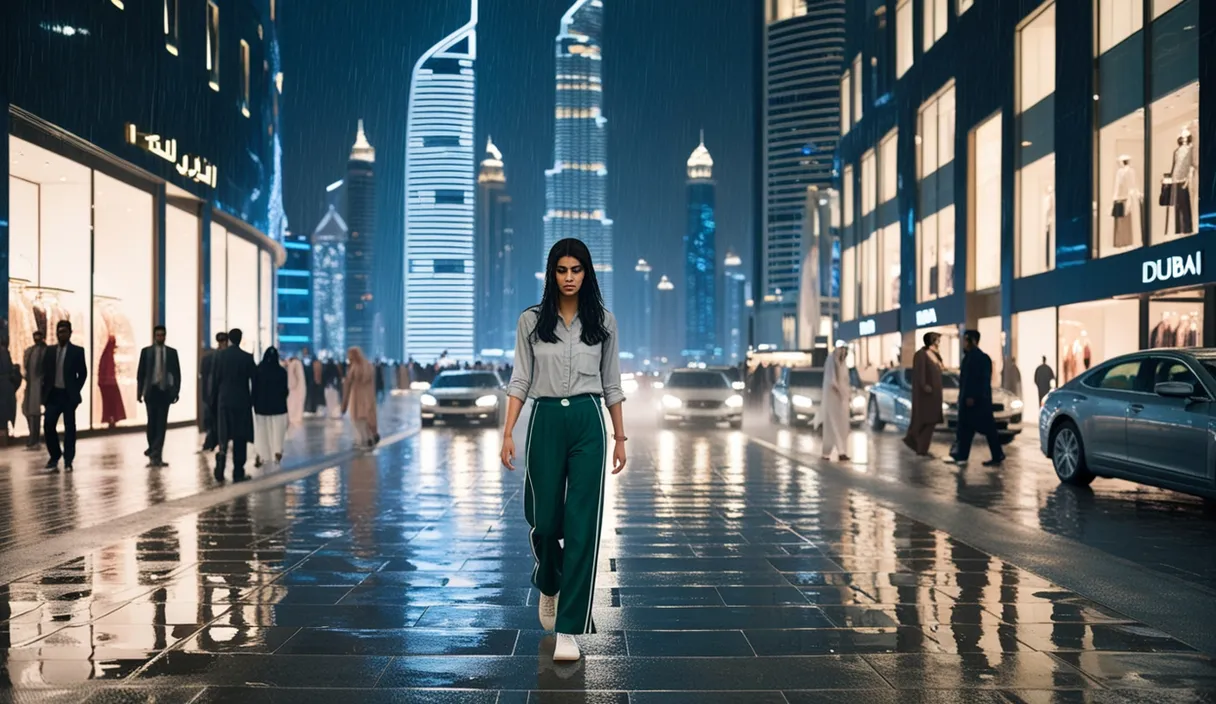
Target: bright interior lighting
802, 401
735, 401
738, 385
629, 386
658, 384
859, 402
671, 401
1017, 404
429, 400
945, 407
488, 401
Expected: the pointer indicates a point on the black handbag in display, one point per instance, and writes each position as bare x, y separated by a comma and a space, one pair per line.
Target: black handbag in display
1167, 187
1119, 209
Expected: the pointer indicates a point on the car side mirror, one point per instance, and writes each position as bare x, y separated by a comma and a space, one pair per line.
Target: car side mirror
1174, 389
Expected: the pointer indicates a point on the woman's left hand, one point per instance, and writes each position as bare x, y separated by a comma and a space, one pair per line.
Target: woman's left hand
618, 457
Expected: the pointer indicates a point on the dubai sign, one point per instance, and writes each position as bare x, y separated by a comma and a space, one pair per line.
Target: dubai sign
1174, 267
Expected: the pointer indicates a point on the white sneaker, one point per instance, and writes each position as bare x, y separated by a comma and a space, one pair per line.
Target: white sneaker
566, 649
548, 611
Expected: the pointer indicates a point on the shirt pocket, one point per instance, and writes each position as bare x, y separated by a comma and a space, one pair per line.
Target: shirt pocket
587, 360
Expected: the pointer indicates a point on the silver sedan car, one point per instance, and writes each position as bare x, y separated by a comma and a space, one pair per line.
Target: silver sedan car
1149, 417
798, 393
464, 395
891, 402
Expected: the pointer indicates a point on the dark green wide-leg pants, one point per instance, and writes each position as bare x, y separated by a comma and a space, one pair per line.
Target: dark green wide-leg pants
565, 465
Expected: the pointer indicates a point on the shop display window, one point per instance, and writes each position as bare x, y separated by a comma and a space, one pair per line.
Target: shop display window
1034, 348
986, 204
181, 304
888, 164
868, 183
266, 302
1118, 20
1091, 333
903, 38
846, 102
1176, 320
889, 268
868, 276
1122, 210
848, 283
218, 286
243, 290
123, 270
1036, 196
1037, 57
858, 109
847, 192
1175, 149
992, 341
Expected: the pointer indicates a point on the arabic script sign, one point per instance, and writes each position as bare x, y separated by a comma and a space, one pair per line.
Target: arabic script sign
195, 168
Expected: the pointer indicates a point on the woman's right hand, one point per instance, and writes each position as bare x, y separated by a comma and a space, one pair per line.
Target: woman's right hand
508, 452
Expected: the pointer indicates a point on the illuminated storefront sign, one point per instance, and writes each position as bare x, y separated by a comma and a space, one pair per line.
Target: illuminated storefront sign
927, 316
195, 168
1170, 268
867, 327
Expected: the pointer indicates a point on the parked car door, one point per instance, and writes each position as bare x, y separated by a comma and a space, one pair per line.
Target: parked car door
884, 396
1103, 414
903, 397
1169, 436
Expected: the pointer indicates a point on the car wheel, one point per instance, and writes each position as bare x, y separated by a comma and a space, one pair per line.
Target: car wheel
872, 415
1068, 455
1006, 439
736, 424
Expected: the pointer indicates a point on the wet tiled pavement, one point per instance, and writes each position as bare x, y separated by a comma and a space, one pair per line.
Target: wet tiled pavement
728, 573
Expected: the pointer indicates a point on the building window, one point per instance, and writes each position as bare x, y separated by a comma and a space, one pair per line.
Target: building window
272, 10
887, 155
868, 196
1160, 7
1035, 214
449, 197
888, 223
213, 45
171, 26
119, 4
1118, 20
245, 78
846, 100
903, 38
985, 231
857, 109
935, 233
964, 5
935, 12
848, 261
868, 276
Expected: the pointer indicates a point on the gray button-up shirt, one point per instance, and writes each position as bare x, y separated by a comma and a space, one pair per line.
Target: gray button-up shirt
567, 367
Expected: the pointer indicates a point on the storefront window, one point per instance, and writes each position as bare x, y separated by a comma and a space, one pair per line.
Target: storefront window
889, 292
848, 281
1035, 220
1121, 209
1176, 320
1118, 20
903, 38
846, 103
1035, 347
1175, 151
888, 155
265, 303
181, 304
219, 280
868, 183
243, 290
935, 171
1037, 56
868, 276
986, 204
858, 110
874, 354
1091, 333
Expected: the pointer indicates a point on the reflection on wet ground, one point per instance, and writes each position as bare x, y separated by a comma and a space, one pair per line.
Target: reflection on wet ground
727, 574
111, 479
1163, 530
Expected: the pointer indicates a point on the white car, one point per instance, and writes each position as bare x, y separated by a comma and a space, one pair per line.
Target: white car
699, 395
796, 397
464, 395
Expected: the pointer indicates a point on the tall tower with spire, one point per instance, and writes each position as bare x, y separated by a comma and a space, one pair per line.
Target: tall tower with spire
576, 188
440, 267
700, 261
359, 299
495, 285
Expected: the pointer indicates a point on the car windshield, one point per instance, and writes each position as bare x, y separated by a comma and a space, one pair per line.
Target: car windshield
477, 380
732, 373
806, 378
949, 379
697, 380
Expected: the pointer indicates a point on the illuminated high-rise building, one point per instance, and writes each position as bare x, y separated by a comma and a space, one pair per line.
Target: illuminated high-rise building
329, 285
360, 187
439, 194
734, 310
700, 261
496, 309
576, 188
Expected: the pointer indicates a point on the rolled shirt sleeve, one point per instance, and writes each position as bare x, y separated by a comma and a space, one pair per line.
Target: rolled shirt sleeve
610, 364
521, 377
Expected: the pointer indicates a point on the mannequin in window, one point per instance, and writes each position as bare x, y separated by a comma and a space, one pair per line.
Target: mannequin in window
1157, 337
1181, 172
1125, 198
112, 409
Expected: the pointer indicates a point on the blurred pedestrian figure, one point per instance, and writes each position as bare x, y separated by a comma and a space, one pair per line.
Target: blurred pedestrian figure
331, 380
379, 371
1012, 377
64, 372
158, 382
31, 408
232, 398
1044, 379
975, 403
297, 390
271, 389
834, 410
926, 395
206, 372
314, 392
359, 398
10, 381
112, 408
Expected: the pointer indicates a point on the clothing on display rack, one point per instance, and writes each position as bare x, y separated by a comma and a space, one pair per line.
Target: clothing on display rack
1175, 186
1126, 200
1176, 330
1075, 359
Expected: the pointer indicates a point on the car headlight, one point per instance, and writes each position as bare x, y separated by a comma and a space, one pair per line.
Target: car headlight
738, 385
802, 401
629, 386
429, 400
945, 407
1017, 404
419, 385
670, 401
735, 401
488, 401
859, 402
658, 385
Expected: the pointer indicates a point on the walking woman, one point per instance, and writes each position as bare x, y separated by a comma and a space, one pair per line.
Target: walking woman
359, 397
269, 408
834, 410
567, 361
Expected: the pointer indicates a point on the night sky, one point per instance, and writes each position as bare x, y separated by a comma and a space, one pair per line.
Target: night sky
671, 67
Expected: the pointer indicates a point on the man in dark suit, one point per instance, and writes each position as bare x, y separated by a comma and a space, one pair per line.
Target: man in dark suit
63, 374
207, 412
231, 397
160, 382
975, 402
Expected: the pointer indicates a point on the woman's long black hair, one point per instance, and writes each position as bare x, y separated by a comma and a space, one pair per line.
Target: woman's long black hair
590, 301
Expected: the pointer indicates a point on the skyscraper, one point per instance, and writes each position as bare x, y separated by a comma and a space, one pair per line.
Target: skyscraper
329, 285
576, 188
439, 171
496, 309
643, 348
803, 53
360, 187
700, 261
734, 310
295, 295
